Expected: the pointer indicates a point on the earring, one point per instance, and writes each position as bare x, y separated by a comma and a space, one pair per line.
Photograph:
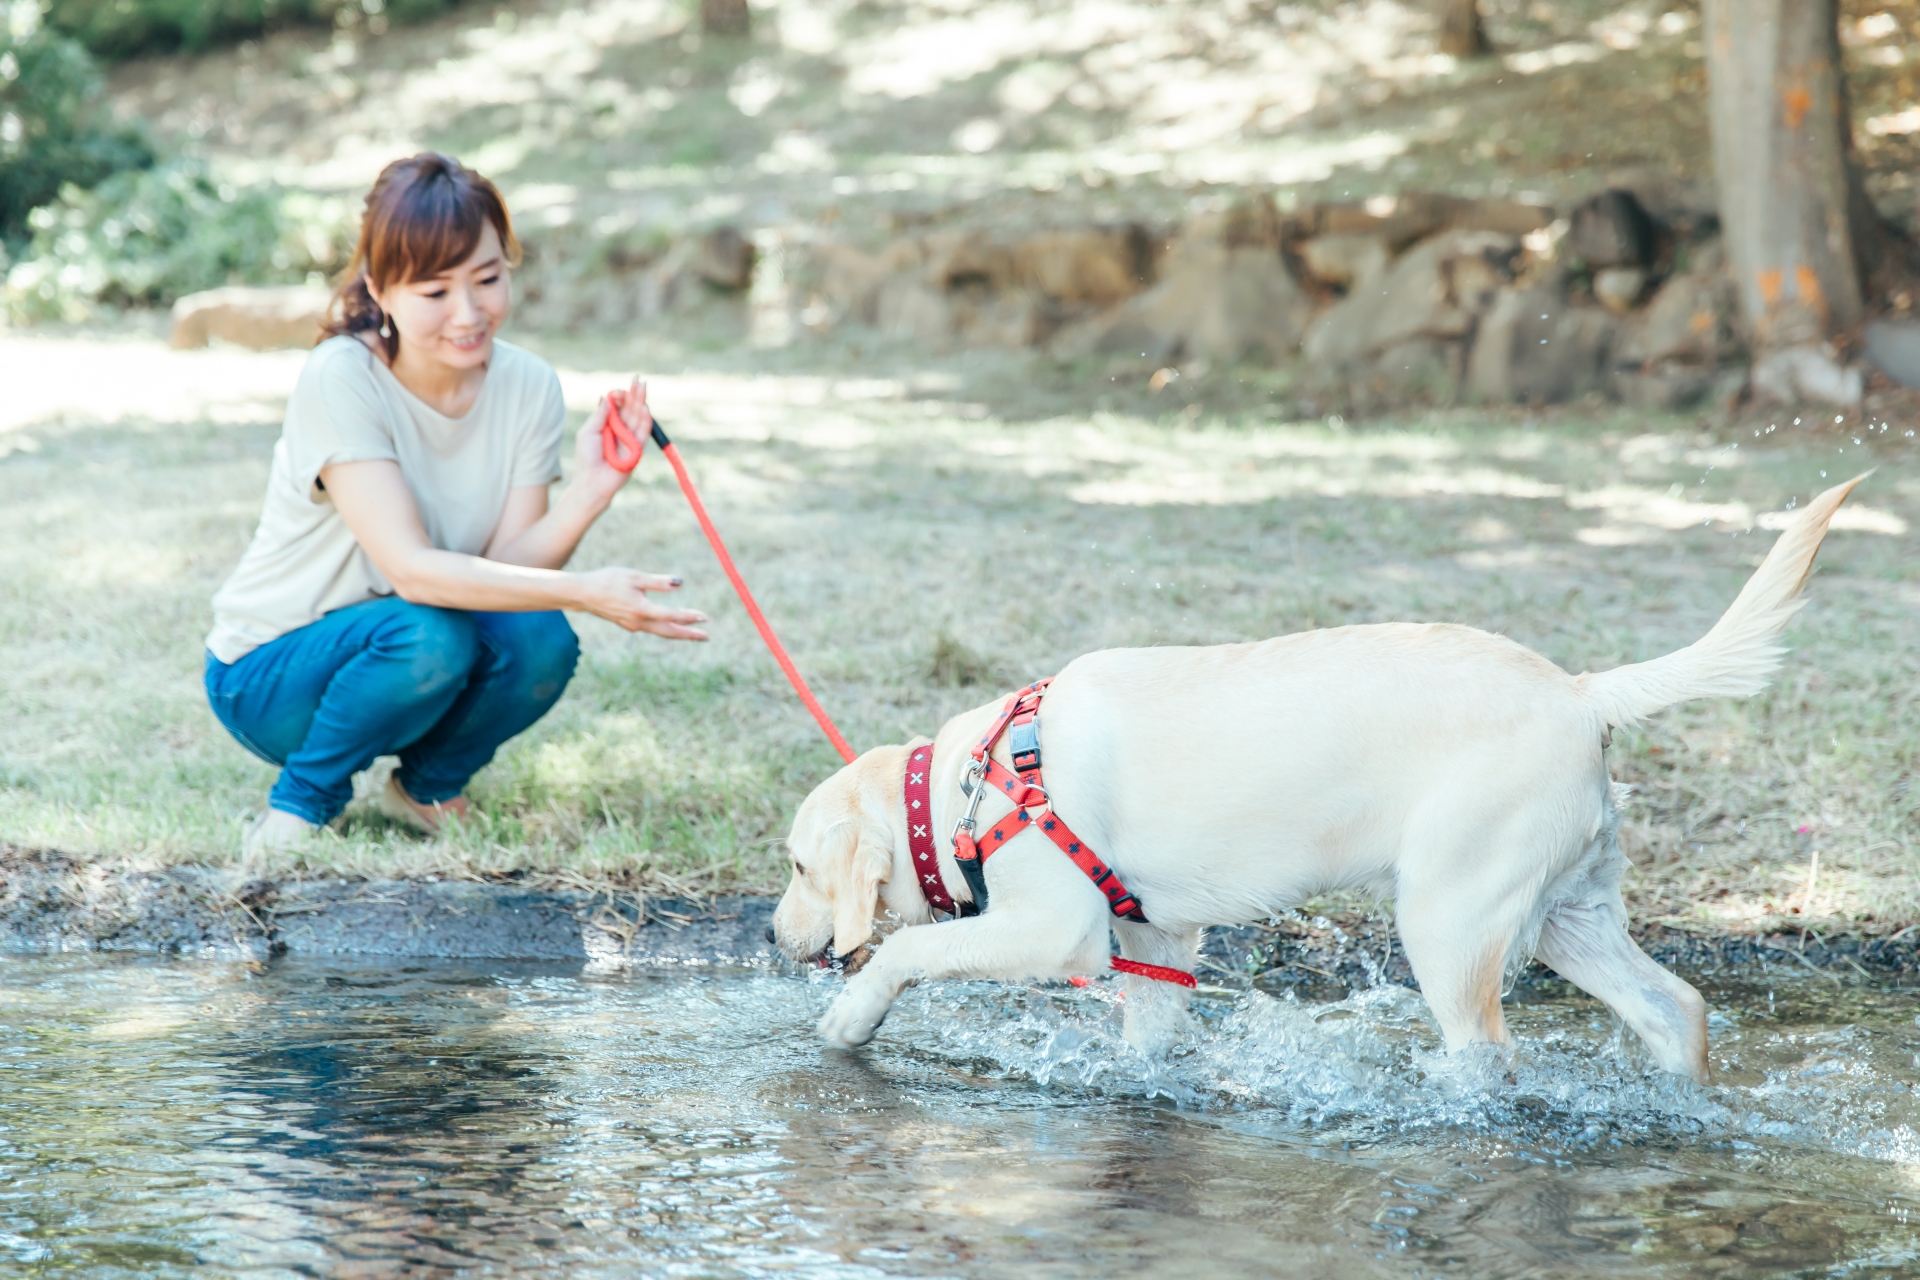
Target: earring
386, 326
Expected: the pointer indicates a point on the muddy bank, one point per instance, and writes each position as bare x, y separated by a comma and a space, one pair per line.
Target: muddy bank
50, 902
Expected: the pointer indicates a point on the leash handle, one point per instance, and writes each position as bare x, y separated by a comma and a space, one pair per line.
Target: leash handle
760, 622
618, 445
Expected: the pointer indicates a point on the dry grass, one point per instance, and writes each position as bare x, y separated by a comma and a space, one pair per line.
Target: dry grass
925, 533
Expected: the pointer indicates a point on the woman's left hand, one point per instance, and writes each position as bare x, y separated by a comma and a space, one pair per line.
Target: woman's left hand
591, 469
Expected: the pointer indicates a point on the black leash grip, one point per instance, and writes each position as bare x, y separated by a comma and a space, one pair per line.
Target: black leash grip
659, 436
975, 870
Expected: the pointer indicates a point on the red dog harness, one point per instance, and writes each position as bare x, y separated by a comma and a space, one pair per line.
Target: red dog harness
1020, 721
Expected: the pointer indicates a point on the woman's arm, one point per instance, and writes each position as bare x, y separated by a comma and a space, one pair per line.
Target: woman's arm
529, 534
378, 507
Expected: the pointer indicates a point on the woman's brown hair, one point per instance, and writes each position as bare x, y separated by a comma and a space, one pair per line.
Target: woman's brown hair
424, 216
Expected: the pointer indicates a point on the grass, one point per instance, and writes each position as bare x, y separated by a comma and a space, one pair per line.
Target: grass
925, 534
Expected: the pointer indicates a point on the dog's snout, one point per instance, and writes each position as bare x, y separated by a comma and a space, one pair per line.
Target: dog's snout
772, 940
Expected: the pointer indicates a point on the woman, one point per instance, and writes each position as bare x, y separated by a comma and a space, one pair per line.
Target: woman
402, 593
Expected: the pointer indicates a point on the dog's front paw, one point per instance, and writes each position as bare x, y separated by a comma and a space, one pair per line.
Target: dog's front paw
855, 1016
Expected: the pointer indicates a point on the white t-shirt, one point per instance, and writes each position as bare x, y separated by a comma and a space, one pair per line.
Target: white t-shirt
348, 407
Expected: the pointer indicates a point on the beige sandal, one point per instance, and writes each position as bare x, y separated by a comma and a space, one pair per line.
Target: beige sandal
401, 807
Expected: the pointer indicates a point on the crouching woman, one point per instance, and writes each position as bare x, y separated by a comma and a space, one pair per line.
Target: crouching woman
402, 594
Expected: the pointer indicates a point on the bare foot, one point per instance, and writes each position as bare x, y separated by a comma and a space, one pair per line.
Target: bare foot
401, 807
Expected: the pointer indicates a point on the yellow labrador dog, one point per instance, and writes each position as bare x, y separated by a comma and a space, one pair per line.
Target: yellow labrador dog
1454, 769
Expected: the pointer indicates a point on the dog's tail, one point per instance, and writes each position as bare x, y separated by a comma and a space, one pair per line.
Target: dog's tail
1743, 650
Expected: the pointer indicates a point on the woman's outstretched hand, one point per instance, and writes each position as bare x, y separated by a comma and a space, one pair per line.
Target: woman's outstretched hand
620, 596
600, 478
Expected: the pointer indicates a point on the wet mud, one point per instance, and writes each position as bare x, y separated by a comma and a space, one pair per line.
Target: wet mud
50, 902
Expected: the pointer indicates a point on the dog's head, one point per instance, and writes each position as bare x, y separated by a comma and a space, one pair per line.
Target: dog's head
842, 845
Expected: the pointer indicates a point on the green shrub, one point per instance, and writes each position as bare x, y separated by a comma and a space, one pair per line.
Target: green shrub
126, 28
144, 237
51, 133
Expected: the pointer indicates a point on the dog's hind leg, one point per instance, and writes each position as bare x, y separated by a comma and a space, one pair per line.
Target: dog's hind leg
1156, 1015
1587, 944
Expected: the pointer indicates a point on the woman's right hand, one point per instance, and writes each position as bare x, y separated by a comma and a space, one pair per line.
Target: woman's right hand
620, 596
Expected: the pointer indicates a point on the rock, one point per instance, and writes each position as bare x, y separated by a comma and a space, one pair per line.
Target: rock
1213, 300
1610, 230
906, 306
1437, 290
848, 279
1412, 216
956, 259
1010, 320
1346, 260
1811, 372
1532, 348
1893, 347
1619, 288
724, 259
1689, 320
1665, 388
247, 316
1096, 267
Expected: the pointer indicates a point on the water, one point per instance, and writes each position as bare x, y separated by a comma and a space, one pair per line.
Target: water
192, 1118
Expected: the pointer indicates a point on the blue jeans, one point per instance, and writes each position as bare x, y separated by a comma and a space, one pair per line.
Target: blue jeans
441, 688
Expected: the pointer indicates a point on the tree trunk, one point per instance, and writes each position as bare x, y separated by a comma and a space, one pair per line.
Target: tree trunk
725, 17
1800, 231
1462, 34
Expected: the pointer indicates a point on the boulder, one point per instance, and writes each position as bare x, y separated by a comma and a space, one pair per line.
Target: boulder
1437, 290
1619, 288
1097, 266
1412, 216
1689, 320
1669, 352
847, 279
1214, 300
1664, 388
1610, 229
724, 258
1893, 347
1533, 348
1345, 260
907, 306
258, 317
1811, 372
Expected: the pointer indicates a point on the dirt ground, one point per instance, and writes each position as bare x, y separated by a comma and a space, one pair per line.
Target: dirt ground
877, 506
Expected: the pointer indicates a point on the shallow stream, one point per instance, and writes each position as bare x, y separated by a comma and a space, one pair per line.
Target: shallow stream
308, 1119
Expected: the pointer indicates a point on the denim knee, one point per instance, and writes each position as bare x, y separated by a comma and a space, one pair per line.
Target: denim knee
439, 646
545, 652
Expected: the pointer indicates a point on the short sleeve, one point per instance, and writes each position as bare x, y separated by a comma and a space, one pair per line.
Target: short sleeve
335, 414
537, 461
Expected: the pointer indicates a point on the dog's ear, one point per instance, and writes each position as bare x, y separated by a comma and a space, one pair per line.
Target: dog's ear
869, 865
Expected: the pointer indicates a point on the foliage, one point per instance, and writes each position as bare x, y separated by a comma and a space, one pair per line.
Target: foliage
146, 236
50, 133
127, 28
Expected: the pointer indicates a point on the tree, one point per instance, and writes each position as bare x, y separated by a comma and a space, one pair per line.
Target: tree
1802, 237
1462, 33
725, 17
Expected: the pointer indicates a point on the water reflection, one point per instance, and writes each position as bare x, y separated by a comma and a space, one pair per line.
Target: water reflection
189, 1118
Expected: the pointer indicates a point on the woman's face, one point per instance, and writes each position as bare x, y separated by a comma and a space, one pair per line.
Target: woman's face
451, 318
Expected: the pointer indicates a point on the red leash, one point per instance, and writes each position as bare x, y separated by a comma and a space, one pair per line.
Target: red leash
622, 449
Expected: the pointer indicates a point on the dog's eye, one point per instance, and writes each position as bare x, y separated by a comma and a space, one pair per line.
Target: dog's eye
800, 871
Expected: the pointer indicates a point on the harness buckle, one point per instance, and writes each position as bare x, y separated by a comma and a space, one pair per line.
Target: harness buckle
1023, 741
